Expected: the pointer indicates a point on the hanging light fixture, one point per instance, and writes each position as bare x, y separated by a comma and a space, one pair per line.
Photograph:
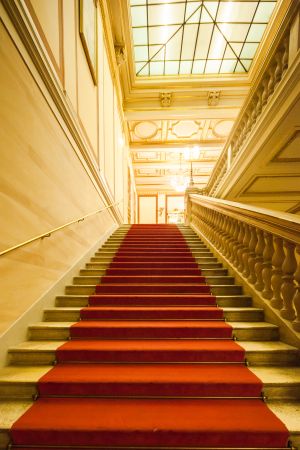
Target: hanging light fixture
180, 182
191, 154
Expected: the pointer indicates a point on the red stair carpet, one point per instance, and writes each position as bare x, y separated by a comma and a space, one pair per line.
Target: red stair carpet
151, 364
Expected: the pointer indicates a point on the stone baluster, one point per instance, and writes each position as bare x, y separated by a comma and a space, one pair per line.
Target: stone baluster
239, 245
222, 233
267, 266
259, 102
254, 108
215, 227
285, 55
271, 81
241, 250
230, 230
252, 256
276, 279
232, 240
259, 249
278, 68
264, 95
296, 299
235, 241
288, 287
246, 252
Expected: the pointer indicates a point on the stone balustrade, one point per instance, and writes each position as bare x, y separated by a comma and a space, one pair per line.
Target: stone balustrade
262, 248
259, 97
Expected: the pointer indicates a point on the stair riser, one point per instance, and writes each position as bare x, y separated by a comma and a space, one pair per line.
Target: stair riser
216, 290
101, 272
154, 253
26, 391
108, 259
204, 266
74, 316
255, 358
63, 333
15, 390
82, 301
93, 281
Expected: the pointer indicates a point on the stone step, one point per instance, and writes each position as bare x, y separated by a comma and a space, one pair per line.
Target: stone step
110, 253
286, 412
20, 382
216, 290
242, 331
94, 280
104, 265
222, 300
108, 258
72, 314
279, 382
101, 272
117, 241
258, 353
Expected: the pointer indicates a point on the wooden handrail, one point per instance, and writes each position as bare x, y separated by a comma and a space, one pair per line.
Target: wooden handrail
48, 234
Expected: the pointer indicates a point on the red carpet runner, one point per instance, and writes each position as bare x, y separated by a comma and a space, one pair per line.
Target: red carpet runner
151, 363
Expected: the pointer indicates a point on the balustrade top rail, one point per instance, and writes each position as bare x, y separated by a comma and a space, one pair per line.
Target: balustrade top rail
282, 224
48, 233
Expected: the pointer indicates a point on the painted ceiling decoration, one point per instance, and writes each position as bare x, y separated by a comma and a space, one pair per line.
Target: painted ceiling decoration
189, 37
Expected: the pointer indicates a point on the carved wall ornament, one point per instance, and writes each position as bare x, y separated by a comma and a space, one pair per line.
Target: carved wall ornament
165, 99
120, 54
213, 98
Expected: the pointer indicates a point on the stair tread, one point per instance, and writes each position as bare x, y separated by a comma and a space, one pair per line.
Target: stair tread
154, 308
153, 418
269, 375
166, 323
248, 346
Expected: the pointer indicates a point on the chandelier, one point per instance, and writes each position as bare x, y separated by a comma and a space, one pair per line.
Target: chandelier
180, 181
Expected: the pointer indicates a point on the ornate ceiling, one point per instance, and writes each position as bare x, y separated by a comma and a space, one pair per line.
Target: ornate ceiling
164, 114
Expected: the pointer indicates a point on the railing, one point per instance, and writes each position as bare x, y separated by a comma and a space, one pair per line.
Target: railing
263, 246
260, 95
49, 233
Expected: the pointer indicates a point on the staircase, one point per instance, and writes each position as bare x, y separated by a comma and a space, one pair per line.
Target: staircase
151, 360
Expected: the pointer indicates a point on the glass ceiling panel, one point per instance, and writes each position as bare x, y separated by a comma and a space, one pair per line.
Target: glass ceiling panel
173, 37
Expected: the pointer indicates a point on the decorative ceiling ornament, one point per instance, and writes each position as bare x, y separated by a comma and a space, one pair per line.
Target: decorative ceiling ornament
165, 99
222, 128
213, 98
185, 129
145, 129
120, 52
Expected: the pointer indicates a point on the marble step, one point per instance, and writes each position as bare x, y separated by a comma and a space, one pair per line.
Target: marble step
215, 289
101, 272
199, 259
222, 300
20, 382
258, 353
104, 265
115, 242
242, 331
111, 252
211, 280
72, 314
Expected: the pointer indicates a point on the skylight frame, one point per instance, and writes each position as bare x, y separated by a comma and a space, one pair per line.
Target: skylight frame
238, 64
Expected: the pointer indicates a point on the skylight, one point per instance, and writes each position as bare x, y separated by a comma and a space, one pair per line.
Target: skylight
189, 37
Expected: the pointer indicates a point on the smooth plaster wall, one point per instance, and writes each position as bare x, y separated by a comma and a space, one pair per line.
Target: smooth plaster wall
43, 182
